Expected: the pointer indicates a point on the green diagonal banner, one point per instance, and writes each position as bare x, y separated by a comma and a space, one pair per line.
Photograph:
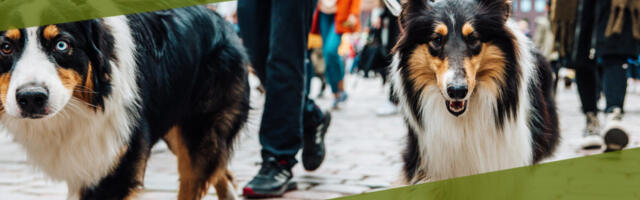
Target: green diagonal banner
27, 13
605, 176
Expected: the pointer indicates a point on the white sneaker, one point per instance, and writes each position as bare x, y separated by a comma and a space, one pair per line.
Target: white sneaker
591, 138
387, 109
615, 136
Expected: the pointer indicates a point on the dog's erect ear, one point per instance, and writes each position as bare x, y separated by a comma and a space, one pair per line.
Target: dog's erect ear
501, 6
100, 51
413, 8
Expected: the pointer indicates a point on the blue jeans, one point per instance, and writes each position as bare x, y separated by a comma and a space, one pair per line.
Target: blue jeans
606, 76
334, 70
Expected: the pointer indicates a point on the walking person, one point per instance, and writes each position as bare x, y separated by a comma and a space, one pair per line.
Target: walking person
604, 42
275, 34
331, 20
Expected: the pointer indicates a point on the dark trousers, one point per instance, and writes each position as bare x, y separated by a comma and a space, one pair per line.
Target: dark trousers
607, 76
275, 34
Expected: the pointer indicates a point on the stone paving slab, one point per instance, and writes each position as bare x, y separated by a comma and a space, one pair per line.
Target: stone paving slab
363, 151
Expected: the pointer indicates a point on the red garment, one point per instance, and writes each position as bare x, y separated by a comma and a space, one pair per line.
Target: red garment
344, 9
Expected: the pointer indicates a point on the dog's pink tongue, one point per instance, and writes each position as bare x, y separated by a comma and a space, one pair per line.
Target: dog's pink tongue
456, 104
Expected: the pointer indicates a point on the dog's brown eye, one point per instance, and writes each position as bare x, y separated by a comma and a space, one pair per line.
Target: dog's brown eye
7, 48
473, 40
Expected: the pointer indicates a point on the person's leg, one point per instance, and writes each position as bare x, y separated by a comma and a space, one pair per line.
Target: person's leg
315, 122
587, 81
309, 73
614, 83
331, 41
254, 31
281, 126
614, 86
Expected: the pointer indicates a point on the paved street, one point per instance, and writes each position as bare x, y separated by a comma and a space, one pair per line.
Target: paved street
363, 151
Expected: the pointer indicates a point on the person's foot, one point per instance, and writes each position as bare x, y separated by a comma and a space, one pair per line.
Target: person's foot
591, 138
313, 150
273, 180
342, 97
387, 109
615, 136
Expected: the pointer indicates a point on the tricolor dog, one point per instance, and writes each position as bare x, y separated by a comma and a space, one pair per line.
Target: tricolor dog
475, 94
87, 100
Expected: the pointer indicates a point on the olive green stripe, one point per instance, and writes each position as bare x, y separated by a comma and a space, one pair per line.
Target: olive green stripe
606, 176
27, 13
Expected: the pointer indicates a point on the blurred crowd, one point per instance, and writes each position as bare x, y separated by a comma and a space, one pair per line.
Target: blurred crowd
596, 45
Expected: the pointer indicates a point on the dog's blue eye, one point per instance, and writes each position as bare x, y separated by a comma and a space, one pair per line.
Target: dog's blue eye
62, 46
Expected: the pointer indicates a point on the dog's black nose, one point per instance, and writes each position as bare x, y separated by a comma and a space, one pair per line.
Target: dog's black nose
457, 92
32, 100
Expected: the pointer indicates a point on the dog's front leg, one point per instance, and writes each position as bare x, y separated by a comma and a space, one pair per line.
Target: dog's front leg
128, 175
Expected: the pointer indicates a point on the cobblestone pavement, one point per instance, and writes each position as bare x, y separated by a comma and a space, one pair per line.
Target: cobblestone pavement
363, 151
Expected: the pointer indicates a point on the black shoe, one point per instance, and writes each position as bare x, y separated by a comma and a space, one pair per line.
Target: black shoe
273, 180
616, 139
313, 150
615, 135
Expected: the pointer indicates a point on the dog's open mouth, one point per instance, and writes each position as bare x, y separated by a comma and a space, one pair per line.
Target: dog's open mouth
456, 107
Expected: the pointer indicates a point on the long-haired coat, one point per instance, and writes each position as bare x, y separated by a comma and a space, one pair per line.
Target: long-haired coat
475, 94
87, 100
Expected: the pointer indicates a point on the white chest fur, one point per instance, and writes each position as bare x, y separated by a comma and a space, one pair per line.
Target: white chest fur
78, 145
471, 143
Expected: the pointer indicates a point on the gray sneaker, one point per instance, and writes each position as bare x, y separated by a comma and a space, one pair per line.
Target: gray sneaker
591, 138
615, 136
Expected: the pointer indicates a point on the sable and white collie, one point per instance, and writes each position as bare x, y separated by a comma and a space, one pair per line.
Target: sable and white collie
475, 94
87, 100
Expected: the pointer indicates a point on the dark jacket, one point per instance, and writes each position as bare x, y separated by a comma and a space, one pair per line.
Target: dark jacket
591, 42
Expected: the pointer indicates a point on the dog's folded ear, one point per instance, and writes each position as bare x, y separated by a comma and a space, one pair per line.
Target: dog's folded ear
100, 51
500, 6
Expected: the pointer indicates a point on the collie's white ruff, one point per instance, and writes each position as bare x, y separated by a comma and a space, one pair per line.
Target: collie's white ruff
471, 143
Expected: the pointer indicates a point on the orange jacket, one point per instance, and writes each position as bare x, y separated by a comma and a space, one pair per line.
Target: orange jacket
344, 9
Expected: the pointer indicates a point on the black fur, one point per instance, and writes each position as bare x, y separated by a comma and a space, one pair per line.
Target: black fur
91, 42
544, 126
411, 156
488, 17
191, 74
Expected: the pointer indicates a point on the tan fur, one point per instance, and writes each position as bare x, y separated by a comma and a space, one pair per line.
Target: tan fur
133, 195
487, 68
484, 70
13, 34
50, 32
69, 78
188, 189
221, 181
193, 183
72, 80
4, 88
424, 68
86, 92
467, 29
441, 29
